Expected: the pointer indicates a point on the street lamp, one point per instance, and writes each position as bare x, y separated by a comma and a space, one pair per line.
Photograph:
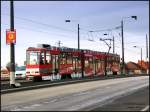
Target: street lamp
92, 40
135, 17
141, 53
78, 34
122, 67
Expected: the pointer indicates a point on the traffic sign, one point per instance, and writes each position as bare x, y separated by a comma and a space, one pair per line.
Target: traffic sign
10, 36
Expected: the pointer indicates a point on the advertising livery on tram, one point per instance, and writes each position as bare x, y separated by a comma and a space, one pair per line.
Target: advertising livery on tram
45, 61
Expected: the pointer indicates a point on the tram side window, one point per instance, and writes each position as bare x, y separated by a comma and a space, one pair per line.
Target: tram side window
48, 58
90, 62
78, 63
28, 57
86, 63
69, 59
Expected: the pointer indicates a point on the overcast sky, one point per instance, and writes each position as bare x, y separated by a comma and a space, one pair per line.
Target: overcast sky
44, 22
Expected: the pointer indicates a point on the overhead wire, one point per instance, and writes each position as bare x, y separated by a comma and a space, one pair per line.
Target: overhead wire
55, 27
37, 22
33, 21
35, 30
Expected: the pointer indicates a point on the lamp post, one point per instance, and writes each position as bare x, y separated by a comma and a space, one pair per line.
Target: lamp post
78, 34
147, 54
122, 67
141, 53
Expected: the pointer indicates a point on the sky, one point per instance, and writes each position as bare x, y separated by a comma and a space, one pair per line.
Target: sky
44, 22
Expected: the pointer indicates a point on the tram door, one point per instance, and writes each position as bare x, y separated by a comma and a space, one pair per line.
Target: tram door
55, 64
95, 63
75, 64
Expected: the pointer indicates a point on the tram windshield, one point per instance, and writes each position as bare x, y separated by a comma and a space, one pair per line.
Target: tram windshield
33, 57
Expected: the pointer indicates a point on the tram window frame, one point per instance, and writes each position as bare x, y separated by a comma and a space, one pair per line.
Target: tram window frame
42, 57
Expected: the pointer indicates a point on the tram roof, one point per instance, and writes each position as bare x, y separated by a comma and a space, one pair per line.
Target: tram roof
67, 49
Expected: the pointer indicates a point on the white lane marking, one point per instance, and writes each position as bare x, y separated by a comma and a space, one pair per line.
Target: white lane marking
46, 102
81, 93
17, 109
145, 108
35, 105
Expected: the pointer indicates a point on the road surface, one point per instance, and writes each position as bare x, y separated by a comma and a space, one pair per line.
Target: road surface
136, 101
74, 96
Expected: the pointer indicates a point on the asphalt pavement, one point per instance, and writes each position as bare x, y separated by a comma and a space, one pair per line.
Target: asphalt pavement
79, 96
136, 101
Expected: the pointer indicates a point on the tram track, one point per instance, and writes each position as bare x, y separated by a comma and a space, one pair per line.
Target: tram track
18, 80
28, 85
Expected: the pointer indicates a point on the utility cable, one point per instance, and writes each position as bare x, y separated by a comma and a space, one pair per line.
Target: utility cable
37, 22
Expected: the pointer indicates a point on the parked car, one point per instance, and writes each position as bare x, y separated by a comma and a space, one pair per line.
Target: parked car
20, 72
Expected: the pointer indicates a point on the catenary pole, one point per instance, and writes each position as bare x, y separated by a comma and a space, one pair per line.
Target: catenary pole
122, 68
78, 37
113, 45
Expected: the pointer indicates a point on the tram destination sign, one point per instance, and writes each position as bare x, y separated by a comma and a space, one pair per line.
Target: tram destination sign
10, 36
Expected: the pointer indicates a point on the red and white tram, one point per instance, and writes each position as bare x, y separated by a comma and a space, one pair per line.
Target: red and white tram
52, 62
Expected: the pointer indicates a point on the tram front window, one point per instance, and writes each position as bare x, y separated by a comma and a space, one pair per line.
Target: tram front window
33, 57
